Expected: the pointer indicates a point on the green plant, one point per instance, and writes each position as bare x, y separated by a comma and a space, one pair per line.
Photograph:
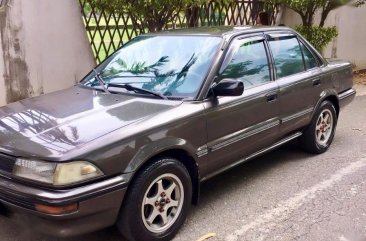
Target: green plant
319, 37
360, 2
152, 15
307, 8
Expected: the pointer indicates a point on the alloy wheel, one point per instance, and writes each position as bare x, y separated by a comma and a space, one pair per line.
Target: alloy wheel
162, 203
324, 127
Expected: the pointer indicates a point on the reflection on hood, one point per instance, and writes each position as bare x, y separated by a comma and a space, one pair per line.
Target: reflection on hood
56, 123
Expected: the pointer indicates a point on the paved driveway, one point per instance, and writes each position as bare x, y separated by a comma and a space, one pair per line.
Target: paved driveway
284, 195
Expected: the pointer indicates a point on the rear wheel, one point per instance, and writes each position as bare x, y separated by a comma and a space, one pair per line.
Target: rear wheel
157, 202
318, 136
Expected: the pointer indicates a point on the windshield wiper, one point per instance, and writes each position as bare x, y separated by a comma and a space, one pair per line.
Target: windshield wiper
137, 89
136, 76
101, 81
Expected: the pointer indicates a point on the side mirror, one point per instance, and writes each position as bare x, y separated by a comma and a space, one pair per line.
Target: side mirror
228, 87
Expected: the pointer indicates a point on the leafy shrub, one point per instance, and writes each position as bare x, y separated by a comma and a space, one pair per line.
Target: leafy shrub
319, 37
147, 14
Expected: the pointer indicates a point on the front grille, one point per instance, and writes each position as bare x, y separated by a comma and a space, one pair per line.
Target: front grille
6, 163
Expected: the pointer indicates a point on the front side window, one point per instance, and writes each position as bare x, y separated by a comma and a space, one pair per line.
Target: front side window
287, 55
249, 63
173, 66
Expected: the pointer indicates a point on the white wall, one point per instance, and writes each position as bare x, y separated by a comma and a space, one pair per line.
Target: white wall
43, 47
2, 82
351, 41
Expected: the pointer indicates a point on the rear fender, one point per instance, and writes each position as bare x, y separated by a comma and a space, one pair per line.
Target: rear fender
324, 95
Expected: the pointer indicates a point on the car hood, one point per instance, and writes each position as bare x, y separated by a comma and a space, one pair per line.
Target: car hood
50, 125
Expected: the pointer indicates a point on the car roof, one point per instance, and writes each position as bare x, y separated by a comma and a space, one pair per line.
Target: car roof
221, 31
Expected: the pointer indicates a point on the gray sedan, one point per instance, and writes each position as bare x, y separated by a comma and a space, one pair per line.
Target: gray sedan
130, 144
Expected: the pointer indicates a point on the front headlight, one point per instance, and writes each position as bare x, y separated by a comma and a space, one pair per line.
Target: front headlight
57, 174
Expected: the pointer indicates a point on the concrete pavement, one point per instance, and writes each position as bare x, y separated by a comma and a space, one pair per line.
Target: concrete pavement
360, 88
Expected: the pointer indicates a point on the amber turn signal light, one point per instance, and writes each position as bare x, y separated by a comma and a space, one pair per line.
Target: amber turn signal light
57, 209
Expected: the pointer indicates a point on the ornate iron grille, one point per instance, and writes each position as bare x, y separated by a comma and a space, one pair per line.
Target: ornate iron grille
109, 31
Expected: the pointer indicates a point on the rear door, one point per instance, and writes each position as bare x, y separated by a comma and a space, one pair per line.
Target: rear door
239, 126
299, 79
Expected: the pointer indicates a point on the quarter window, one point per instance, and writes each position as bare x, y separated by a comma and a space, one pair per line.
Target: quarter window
287, 55
249, 63
310, 61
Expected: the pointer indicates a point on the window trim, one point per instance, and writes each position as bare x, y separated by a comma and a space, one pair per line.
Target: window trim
287, 35
321, 61
302, 54
205, 92
231, 51
312, 53
282, 34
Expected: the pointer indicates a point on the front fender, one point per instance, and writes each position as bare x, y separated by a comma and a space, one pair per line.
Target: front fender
154, 148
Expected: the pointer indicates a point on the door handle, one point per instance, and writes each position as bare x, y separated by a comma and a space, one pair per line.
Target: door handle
316, 82
271, 97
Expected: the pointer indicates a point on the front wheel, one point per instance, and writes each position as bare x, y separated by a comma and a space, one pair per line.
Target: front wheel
157, 202
318, 136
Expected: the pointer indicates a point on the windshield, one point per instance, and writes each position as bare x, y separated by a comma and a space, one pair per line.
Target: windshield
173, 66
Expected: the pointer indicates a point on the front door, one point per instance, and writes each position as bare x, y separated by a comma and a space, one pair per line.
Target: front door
239, 126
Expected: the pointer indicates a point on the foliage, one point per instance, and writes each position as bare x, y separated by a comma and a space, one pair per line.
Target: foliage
171, 79
307, 8
87, 8
319, 37
329, 5
359, 3
148, 14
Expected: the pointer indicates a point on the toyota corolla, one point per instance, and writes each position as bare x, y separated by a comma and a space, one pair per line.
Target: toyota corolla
130, 144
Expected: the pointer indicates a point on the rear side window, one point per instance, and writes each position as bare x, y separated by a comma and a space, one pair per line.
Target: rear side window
310, 61
287, 55
249, 63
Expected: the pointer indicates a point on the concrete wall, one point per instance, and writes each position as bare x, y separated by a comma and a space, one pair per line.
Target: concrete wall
351, 41
43, 47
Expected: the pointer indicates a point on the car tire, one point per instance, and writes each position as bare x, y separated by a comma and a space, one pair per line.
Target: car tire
318, 136
157, 202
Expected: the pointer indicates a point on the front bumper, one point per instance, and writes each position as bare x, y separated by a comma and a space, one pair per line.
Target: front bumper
98, 206
346, 97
